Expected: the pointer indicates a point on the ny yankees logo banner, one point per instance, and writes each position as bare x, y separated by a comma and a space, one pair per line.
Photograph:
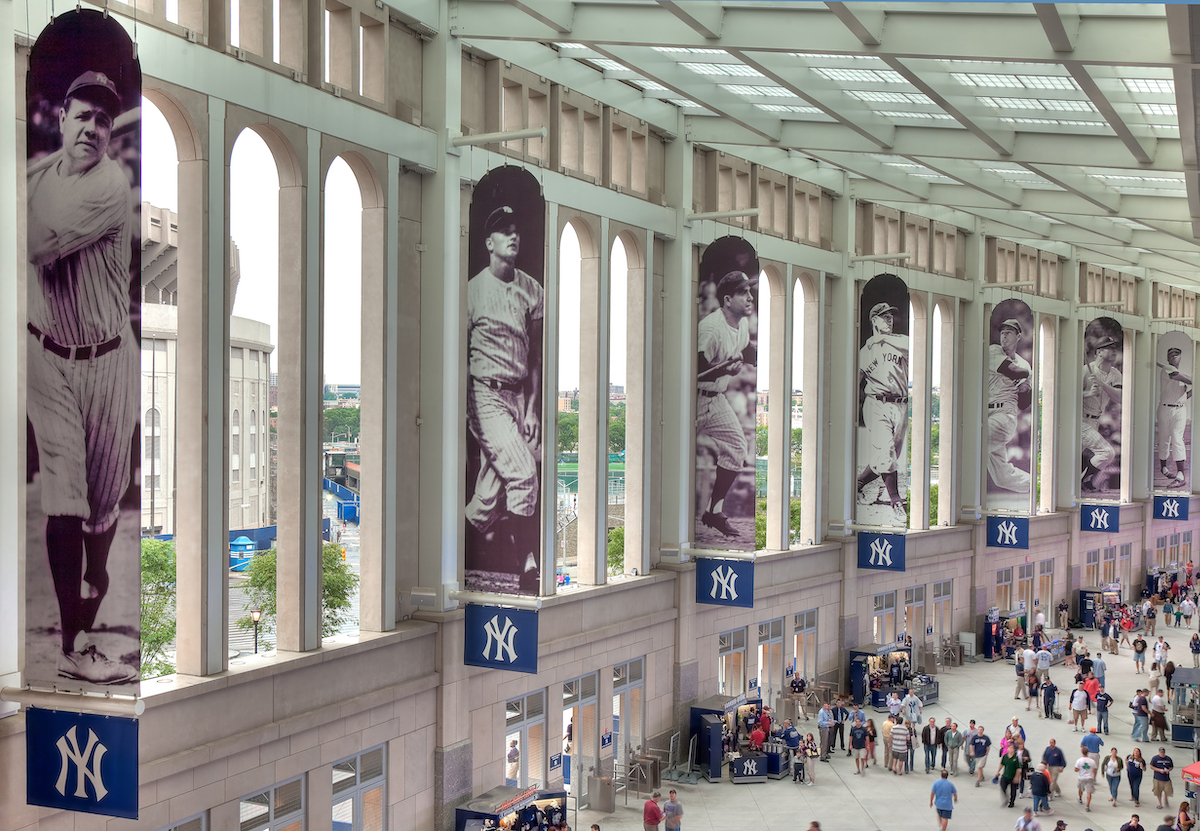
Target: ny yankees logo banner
726, 394
499, 638
1171, 507
1008, 532
881, 551
79, 762
1173, 414
725, 582
883, 405
1101, 518
82, 322
1010, 454
1100, 428
503, 549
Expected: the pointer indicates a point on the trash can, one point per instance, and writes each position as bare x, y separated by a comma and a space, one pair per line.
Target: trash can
602, 794
653, 767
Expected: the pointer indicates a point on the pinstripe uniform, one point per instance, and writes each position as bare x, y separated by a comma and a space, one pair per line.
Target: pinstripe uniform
883, 361
1172, 415
499, 314
1002, 415
1094, 404
83, 410
719, 342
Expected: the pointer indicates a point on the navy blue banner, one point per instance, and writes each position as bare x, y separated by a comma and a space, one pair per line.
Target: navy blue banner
1102, 518
881, 551
79, 762
1171, 507
750, 764
725, 582
501, 638
1008, 532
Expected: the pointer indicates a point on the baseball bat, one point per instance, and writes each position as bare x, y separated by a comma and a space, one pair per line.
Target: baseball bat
122, 124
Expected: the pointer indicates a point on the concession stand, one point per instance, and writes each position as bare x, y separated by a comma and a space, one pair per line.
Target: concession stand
1185, 706
878, 669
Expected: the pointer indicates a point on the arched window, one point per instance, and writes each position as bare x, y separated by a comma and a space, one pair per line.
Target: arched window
235, 446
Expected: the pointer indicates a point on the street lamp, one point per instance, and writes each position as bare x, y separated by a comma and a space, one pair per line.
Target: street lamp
256, 616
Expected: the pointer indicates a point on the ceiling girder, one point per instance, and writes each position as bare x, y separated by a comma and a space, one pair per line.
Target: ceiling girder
1061, 24
967, 112
970, 175
555, 14
864, 20
1142, 148
703, 18
1083, 186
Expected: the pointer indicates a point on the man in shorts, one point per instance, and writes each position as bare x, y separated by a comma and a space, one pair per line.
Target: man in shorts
1162, 766
1085, 769
858, 746
1080, 703
942, 797
979, 746
1139, 655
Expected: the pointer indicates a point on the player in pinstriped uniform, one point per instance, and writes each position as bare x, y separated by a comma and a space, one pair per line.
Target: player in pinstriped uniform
723, 343
1174, 393
1101, 386
82, 362
883, 378
1008, 393
504, 342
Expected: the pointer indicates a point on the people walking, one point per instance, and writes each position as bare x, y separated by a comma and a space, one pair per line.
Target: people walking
953, 740
980, 745
1010, 772
1135, 767
1055, 762
1161, 765
1085, 769
1141, 717
900, 744
930, 739
1113, 766
942, 797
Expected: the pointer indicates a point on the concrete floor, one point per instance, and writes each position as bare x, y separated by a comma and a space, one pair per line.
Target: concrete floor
880, 800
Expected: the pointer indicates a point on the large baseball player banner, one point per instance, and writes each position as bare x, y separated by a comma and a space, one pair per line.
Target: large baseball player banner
726, 394
83, 577
1010, 454
1100, 430
506, 266
1173, 422
883, 403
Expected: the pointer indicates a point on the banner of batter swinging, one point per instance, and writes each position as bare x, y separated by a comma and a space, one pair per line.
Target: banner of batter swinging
1173, 413
83, 564
1100, 427
505, 309
883, 403
1009, 449
726, 395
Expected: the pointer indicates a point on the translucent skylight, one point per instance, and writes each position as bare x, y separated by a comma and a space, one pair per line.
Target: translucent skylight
787, 108
977, 79
682, 102
687, 50
1158, 109
735, 69
608, 65
746, 89
883, 97
1064, 105
915, 114
821, 56
1132, 177
1149, 85
1052, 122
649, 86
867, 76
1015, 103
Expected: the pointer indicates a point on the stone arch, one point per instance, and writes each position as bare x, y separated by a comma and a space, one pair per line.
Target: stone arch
188, 144
287, 161
947, 382
806, 368
370, 182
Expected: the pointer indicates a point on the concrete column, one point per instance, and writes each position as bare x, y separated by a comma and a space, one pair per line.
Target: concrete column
201, 533
779, 434
604, 709
814, 424
1046, 365
318, 798
848, 623
639, 346
298, 593
593, 411
839, 402
921, 366
948, 450
1142, 413
1067, 447
554, 730
969, 417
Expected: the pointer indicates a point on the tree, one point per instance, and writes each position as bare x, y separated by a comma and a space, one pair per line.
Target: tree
760, 440
616, 550
616, 435
568, 432
158, 606
342, 421
337, 588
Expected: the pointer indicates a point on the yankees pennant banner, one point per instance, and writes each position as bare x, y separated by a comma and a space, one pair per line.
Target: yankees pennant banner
78, 762
1172, 464
725, 582
1010, 454
726, 394
505, 308
1102, 518
1007, 532
500, 638
881, 551
882, 442
1100, 428
1171, 507
82, 359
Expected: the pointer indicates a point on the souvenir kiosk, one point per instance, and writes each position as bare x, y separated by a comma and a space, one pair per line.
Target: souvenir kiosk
513, 809
1185, 706
716, 722
1159, 580
878, 669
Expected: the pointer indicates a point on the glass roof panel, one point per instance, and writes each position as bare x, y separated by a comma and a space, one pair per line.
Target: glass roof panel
1149, 85
747, 89
736, 69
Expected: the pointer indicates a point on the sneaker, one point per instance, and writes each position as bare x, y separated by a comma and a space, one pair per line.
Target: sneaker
94, 666
1179, 476
1088, 808
809, 784
718, 521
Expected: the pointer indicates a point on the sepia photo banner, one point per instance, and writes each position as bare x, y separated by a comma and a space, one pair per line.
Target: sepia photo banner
726, 395
1174, 360
503, 549
83, 167
1010, 459
1100, 427
883, 403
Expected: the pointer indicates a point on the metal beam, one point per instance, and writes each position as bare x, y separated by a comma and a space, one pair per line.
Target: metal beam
864, 20
703, 18
969, 113
865, 166
1061, 24
670, 74
1083, 186
1142, 148
555, 14
969, 174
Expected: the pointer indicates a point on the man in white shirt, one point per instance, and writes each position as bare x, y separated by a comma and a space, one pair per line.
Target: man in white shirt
1081, 702
1161, 649
1039, 620
1028, 822
1043, 663
1085, 768
1188, 608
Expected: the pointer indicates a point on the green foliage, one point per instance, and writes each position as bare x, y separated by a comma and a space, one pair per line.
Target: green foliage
329, 396
616, 550
158, 606
616, 435
760, 524
341, 420
568, 432
797, 445
760, 440
337, 589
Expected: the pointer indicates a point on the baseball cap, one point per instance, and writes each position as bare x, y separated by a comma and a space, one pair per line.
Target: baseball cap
99, 84
1176, 350
1106, 342
1062, 823
731, 283
1012, 323
880, 308
499, 219
1091, 729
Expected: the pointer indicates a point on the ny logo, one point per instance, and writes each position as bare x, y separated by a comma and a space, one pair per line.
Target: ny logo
1170, 509
751, 768
724, 577
1006, 533
1099, 518
502, 638
881, 552
68, 748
